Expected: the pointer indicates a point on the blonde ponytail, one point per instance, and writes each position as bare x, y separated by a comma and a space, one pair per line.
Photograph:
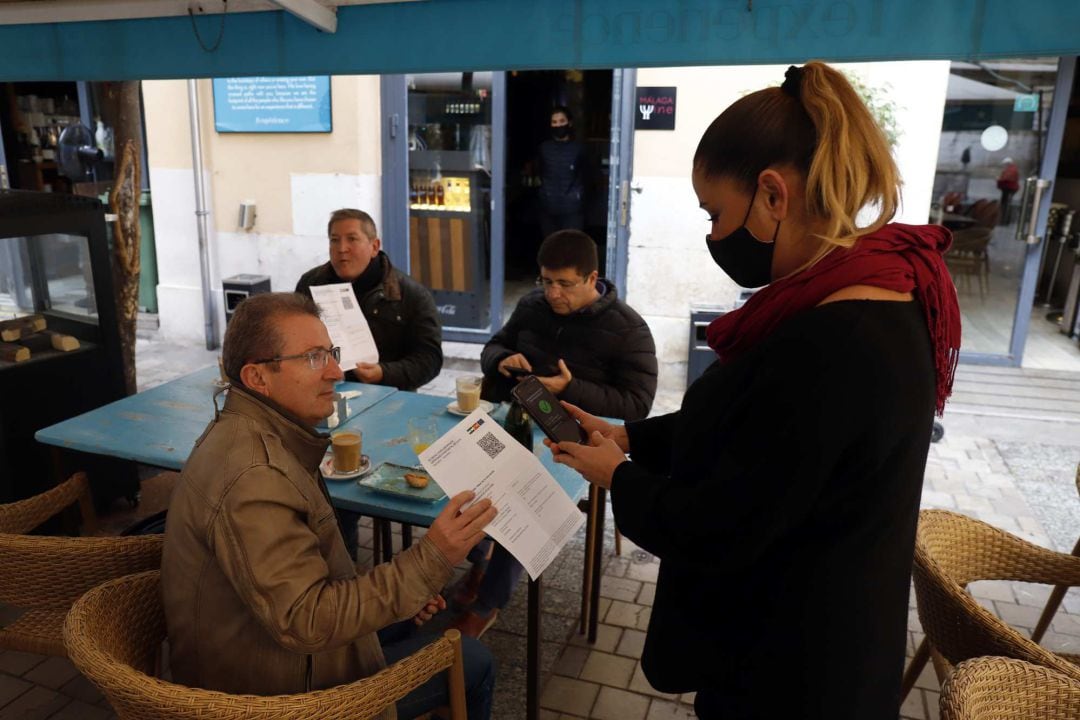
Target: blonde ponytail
852, 166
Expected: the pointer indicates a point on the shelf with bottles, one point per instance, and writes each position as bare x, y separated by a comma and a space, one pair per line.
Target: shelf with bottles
449, 194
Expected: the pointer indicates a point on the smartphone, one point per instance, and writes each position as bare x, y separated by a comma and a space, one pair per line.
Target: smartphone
549, 414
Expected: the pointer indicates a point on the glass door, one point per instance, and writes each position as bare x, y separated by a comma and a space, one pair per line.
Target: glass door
1000, 141
443, 214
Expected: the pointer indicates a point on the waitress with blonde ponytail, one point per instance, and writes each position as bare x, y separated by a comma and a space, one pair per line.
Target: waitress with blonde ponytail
782, 498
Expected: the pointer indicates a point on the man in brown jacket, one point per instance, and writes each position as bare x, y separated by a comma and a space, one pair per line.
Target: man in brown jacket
259, 592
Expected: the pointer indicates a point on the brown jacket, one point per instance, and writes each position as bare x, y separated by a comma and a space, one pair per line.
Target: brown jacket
259, 592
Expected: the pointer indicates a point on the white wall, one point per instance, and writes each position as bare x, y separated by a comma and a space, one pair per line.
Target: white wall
669, 266
296, 181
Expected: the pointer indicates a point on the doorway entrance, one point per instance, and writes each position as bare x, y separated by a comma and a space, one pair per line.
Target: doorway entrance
461, 210
531, 151
1001, 138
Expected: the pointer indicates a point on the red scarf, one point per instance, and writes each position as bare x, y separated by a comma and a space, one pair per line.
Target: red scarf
902, 258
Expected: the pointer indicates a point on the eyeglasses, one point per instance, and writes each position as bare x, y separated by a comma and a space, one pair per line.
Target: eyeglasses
317, 359
548, 283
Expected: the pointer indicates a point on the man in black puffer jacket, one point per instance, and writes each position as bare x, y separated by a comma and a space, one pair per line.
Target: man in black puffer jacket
585, 344
400, 311
589, 348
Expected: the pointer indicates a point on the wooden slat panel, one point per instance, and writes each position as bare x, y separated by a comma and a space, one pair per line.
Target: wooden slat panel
458, 255
416, 260
435, 254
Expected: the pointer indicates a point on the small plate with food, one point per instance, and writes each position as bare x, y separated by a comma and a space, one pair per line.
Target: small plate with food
404, 481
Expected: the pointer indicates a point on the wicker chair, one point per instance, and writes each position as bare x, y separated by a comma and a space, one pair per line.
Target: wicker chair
21, 517
44, 575
951, 551
997, 688
1054, 601
114, 634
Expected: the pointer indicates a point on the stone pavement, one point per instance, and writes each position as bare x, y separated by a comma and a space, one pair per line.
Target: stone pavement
1010, 465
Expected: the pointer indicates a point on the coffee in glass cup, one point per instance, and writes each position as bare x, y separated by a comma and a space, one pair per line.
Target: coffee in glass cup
346, 445
468, 393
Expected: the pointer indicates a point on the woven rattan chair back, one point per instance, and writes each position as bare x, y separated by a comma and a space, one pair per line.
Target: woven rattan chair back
41, 576
23, 516
997, 688
952, 550
114, 635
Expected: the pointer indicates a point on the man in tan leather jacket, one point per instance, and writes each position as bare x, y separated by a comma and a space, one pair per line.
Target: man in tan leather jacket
259, 592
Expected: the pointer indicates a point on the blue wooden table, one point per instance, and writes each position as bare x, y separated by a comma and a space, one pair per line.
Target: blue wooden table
159, 427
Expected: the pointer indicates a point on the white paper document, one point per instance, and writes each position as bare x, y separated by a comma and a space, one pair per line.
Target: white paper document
536, 517
346, 323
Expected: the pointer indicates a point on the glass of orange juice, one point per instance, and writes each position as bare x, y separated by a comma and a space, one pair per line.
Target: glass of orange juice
422, 432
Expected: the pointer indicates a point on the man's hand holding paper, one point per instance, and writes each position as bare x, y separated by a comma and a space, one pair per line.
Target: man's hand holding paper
536, 517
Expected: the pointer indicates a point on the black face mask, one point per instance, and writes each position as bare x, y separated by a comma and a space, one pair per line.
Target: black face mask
560, 132
744, 258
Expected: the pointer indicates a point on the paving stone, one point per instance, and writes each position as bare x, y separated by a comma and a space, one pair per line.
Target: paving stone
1018, 615
632, 643
928, 679
13, 662
623, 589
613, 704
607, 638
936, 499
647, 594
993, 590
646, 572
11, 687
640, 684
667, 710
78, 710
1066, 624
914, 706
628, 615
933, 705
608, 669
1032, 594
569, 695
37, 703
53, 673
571, 661
81, 689
1069, 644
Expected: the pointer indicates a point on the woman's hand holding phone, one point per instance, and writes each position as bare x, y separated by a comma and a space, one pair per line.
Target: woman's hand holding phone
606, 450
591, 424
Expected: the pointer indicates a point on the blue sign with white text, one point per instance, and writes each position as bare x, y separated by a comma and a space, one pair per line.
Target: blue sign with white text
273, 104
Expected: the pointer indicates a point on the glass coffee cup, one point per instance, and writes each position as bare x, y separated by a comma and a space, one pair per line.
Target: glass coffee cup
347, 445
468, 393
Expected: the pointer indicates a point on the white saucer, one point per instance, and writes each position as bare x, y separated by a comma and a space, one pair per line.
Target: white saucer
326, 467
484, 406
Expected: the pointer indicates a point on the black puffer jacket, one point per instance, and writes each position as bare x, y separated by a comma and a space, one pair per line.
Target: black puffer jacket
606, 345
403, 321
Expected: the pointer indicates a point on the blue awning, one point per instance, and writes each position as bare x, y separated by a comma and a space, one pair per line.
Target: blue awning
434, 35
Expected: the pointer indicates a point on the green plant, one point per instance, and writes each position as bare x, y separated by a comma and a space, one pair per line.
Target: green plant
879, 102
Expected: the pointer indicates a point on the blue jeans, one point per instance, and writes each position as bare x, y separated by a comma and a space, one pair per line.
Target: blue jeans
401, 640
500, 578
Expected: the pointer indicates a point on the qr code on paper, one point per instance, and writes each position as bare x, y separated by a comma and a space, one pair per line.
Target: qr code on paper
347, 303
491, 445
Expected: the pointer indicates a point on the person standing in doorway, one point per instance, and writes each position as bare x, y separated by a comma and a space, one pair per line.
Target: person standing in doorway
1008, 183
562, 177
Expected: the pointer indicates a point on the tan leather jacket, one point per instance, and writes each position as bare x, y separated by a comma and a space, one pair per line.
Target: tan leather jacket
260, 595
